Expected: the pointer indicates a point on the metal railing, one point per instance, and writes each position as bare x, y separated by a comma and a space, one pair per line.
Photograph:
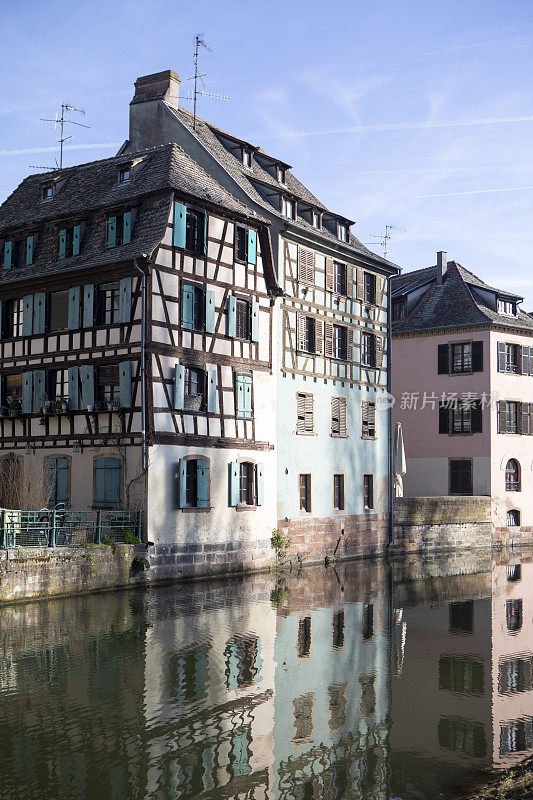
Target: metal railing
65, 528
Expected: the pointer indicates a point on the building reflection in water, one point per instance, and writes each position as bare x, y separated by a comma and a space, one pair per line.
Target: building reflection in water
363, 680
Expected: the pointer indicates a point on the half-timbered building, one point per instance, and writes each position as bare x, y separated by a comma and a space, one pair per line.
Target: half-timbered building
136, 352
331, 333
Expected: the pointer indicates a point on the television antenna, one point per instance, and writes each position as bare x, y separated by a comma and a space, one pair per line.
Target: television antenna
62, 121
382, 239
199, 76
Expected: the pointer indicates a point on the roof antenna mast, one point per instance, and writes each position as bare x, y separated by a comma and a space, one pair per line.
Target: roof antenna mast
200, 76
382, 239
62, 121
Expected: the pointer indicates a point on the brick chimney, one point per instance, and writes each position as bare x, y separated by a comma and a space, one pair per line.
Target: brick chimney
150, 121
442, 265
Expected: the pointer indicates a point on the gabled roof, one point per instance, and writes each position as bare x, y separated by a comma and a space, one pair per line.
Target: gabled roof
452, 304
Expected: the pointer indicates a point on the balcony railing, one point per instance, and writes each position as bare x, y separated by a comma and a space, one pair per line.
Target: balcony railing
65, 528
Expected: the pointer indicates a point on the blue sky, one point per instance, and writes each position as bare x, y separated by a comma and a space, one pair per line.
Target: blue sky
410, 113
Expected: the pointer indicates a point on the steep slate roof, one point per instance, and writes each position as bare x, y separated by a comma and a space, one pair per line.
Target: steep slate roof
249, 179
452, 304
89, 190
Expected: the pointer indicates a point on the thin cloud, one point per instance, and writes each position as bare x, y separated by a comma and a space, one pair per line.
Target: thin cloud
478, 191
406, 126
33, 150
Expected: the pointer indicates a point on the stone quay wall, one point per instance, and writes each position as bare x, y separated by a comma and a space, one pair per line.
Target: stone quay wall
426, 524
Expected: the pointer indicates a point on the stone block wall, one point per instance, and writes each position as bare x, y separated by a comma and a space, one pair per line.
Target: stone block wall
425, 524
336, 537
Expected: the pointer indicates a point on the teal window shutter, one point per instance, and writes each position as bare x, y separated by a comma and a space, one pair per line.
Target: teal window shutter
211, 391
259, 484
74, 294
8, 254
187, 306
182, 483
111, 231
39, 389
247, 395
61, 481
126, 232
29, 251
252, 247
27, 392
125, 384
39, 312
234, 474
87, 385
76, 240
27, 315
179, 387
255, 321
180, 225
206, 218
73, 388
107, 479
51, 472
239, 386
202, 483
88, 305
209, 311
232, 316
125, 300
62, 243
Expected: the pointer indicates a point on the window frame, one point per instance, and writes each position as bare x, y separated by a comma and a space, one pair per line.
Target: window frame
241, 258
304, 430
112, 287
246, 314
199, 235
339, 492
247, 464
342, 433
100, 386
369, 288
512, 484
187, 383
305, 485
370, 431
340, 278
65, 311
463, 360
52, 383
514, 514
368, 352
369, 491
451, 462
340, 342
399, 309
13, 315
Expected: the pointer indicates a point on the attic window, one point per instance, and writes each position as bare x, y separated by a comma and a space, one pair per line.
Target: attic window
246, 157
342, 232
280, 174
124, 174
507, 307
315, 219
47, 192
288, 208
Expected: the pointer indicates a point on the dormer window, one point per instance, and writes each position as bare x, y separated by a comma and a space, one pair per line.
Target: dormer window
342, 232
315, 219
507, 307
246, 158
280, 174
124, 174
47, 192
288, 208
119, 229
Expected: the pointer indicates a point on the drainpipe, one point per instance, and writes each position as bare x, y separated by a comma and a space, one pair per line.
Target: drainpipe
143, 365
389, 390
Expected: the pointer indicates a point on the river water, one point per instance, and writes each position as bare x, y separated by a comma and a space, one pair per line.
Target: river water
363, 680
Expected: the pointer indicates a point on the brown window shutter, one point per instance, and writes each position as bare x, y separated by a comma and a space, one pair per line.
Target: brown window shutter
301, 331
379, 351
342, 416
319, 336
380, 286
329, 273
502, 416
360, 284
309, 413
350, 355
525, 421
328, 339
306, 265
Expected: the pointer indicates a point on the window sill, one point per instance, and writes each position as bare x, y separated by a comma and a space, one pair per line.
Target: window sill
244, 507
369, 438
195, 253
196, 510
339, 435
367, 509
304, 433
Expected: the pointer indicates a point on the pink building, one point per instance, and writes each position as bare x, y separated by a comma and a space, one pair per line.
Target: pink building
462, 376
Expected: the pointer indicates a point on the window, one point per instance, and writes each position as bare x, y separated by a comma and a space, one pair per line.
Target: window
509, 416
460, 476
57, 480
340, 342
305, 492
368, 419
242, 319
460, 418
368, 491
306, 266
304, 637
191, 494
119, 229
109, 385
462, 736
241, 243
515, 675
368, 355
513, 518
513, 615
246, 157
369, 288
47, 192
18, 253
507, 307
315, 219
58, 388
310, 335
462, 675
194, 385
305, 416
512, 476
338, 492
188, 674
108, 303
243, 386
193, 483
338, 416
516, 736
514, 572
399, 309
242, 661
367, 622
338, 630
58, 311
342, 232
340, 278
280, 174
12, 322
511, 358
461, 357
461, 617
124, 174
107, 481
246, 483
192, 307
194, 231
288, 208
13, 386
